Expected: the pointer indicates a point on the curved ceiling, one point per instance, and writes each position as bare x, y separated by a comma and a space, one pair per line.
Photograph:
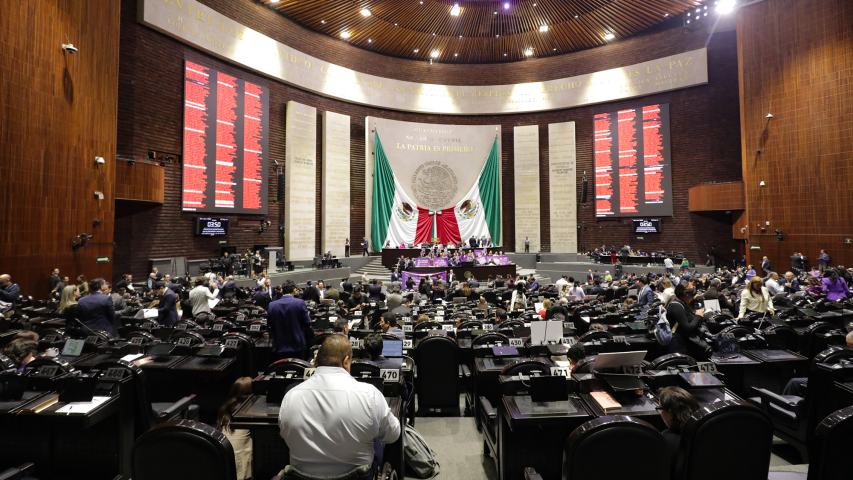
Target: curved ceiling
484, 31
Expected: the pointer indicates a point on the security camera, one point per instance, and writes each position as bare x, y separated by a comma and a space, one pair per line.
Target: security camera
69, 48
769, 116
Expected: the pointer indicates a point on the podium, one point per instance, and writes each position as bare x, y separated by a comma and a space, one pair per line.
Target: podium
272, 252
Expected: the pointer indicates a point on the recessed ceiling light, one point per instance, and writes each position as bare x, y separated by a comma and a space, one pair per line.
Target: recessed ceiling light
365, 12
322, 21
534, 4
455, 54
273, 1
395, 24
528, 52
460, 36
369, 41
609, 36
434, 54
555, 49
454, 10
576, 16
416, 50
496, 13
433, 34
665, 14
498, 35
504, 54
345, 34
506, 5
543, 28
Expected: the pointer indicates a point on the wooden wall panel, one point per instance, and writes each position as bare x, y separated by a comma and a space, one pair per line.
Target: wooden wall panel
796, 63
57, 113
717, 196
704, 128
142, 182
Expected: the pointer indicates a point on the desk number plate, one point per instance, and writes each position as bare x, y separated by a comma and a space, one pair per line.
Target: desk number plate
332, 319
390, 374
407, 344
308, 373
407, 328
181, 326
631, 369
255, 328
560, 372
232, 343
92, 339
137, 340
448, 327
569, 325
568, 341
439, 318
357, 313
709, 367
115, 373
488, 327
219, 327
185, 342
516, 342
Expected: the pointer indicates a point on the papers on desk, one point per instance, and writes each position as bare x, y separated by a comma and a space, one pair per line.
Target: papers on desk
132, 357
605, 401
149, 313
83, 407
211, 302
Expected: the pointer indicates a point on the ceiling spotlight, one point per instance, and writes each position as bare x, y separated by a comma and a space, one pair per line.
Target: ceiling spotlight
416, 50
555, 49
460, 36
322, 21
395, 24
496, 13
498, 35
528, 52
433, 34
665, 14
434, 54
506, 5
534, 4
365, 12
543, 28
504, 54
725, 6
576, 16
454, 10
369, 41
345, 34
455, 54
273, 1
609, 36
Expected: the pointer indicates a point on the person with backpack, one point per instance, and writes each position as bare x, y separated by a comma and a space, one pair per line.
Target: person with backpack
684, 321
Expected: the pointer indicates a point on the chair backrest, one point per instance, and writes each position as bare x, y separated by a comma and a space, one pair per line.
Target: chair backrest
832, 355
246, 352
811, 340
729, 439
787, 334
737, 330
643, 453
671, 360
595, 335
137, 388
832, 442
475, 324
585, 364
319, 339
284, 366
421, 330
182, 449
526, 366
489, 339
364, 368
438, 369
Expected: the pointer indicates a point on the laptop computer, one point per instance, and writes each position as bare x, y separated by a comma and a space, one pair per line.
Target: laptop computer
617, 360
392, 348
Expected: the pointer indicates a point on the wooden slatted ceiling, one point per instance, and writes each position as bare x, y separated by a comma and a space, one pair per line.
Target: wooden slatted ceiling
477, 34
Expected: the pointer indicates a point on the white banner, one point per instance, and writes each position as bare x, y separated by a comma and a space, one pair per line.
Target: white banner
562, 178
336, 183
209, 30
300, 181
527, 188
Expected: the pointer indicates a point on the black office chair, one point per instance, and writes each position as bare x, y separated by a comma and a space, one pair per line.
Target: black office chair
491, 338
585, 364
182, 449
319, 339
527, 366
21, 472
246, 352
6, 363
438, 371
421, 330
595, 335
671, 360
145, 413
364, 368
729, 439
794, 417
295, 366
643, 452
813, 342
788, 335
194, 339
832, 442
472, 324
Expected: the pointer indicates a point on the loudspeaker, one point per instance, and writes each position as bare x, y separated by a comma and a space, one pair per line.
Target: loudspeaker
585, 187
280, 195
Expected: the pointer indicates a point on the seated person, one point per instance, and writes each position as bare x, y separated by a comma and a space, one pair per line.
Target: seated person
388, 324
240, 439
575, 354
21, 351
373, 345
797, 385
332, 423
676, 407
422, 318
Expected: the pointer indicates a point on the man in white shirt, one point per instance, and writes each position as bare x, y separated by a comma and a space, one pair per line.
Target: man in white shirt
333, 423
667, 262
200, 295
772, 284
560, 284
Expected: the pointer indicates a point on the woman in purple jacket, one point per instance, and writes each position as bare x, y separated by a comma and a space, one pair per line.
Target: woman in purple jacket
833, 286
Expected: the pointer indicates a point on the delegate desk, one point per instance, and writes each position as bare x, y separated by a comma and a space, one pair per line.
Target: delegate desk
480, 272
391, 255
270, 453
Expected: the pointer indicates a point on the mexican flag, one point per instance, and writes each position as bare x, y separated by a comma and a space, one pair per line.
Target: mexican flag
398, 219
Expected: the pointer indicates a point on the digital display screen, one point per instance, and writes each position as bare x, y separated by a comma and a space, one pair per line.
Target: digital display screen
651, 225
632, 162
211, 226
73, 347
226, 143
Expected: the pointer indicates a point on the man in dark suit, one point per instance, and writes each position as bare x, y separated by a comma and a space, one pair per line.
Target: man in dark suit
645, 296
790, 285
765, 266
472, 242
365, 245
266, 295
714, 292
227, 262
396, 277
172, 285
346, 285
804, 262
473, 283
410, 283
287, 319
229, 288
373, 346
167, 311
405, 308
157, 274
596, 289
374, 291
311, 294
500, 282
54, 279
97, 310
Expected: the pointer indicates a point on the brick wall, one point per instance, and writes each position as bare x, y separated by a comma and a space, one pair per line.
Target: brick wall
705, 130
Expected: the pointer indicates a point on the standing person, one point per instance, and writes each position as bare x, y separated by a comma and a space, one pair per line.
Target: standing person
227, 262
346, 285
167, 310
395, 276
288, 318
765, 266
685, 265
97, 310
9, 291
200, 295
346, 247
126, 283
823, 260
54, 279
710, 262
240, 439
61, 286
68, 307
83, 285
750, 273
526, 244
667, 263
257, 262
755, 298
365, 246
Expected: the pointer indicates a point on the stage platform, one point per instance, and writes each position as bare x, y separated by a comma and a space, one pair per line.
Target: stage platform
330, 276
578, 270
